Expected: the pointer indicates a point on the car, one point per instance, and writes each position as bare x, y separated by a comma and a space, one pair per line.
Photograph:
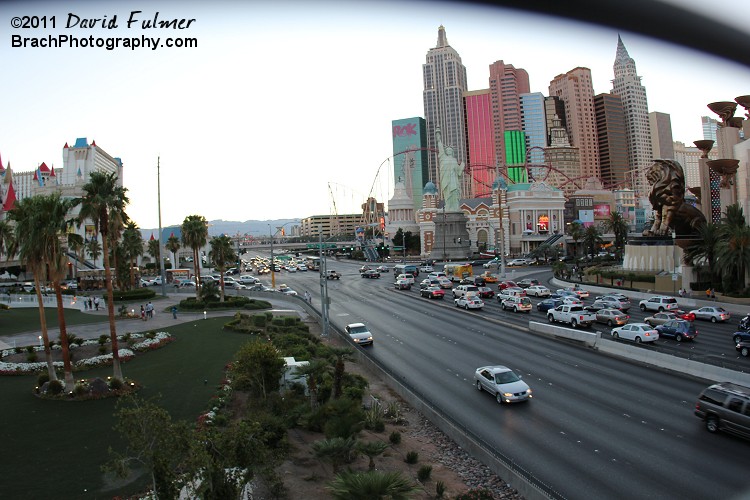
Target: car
444, 283
660, 318
637, 332
581, 293
503, 383
486, 292
432, 292
187, 284
234, 285
383, 269
144, 282
437, 275
547, 304
402, 285
743, 348
364, 268
491, 264
610, 302
562, 293
538, 291
407, 277
688, 316
711, 313
513, 290
463, 290
428, 282
659, 304
359, 333
507, 284
425, 269
517, 262
488, 277
526, 283
677, 329
720, 406
473, 280
517, 304
301, 267
741, 336
246, 279
619, 296
612, 317
370, 274
571, 300
469, 302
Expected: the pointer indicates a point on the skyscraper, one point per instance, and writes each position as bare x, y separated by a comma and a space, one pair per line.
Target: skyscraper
507, 83
709, 128
662, 145
576, 91
613, 146
627, 84
534, 125
410, 157
444, 78
481, 142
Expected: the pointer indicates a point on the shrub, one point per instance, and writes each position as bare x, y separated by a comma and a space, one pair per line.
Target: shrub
102, 349
18, 350
80, 389
30, 349
78, 341
476, 494
103, 339
423, 474
412, 457
42, 378
395, 437
440, 489
115, 384
151, 334
54, 387
31, 357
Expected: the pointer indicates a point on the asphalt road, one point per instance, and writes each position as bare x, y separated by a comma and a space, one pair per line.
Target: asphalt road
597, 427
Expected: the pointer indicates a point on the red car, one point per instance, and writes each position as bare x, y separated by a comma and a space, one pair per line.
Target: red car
507, 284
684, 315
432, 292
486, 292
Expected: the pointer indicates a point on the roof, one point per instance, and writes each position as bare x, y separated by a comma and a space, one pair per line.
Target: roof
81, 142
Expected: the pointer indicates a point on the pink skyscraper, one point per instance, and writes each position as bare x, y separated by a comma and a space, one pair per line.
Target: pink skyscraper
481, 142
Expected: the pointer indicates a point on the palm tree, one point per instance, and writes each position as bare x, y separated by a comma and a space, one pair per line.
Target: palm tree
733, 249
337, 451
371, 449
371, 484
40, 223
704, 251
173, 245
343, 354
222, 254
133, 246
103, 198
592, 238
194, 235
6, 237
576, 232
93, 248
314, 371
76, 245
117, 223
619, 227
153, 250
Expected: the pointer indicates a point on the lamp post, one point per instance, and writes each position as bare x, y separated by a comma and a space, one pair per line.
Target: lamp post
324, 300
161, 243
674, 262
273, 274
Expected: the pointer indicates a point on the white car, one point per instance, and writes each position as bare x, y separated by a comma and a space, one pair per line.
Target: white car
408, 277
248, 280
359, 334
538, 291
518, 262
301, 267
637, 332
469, 302
659, 304
503, 383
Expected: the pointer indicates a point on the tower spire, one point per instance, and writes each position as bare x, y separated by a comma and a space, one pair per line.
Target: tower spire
442, 38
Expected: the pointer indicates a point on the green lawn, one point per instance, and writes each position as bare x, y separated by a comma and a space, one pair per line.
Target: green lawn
25, 319
54, 449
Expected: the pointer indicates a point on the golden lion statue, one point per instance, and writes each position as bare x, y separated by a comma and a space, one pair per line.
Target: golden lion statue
668, 199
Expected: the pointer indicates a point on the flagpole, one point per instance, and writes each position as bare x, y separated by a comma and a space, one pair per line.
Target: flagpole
161, 243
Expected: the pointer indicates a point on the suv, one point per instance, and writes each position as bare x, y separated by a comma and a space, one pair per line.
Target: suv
725, 407
678, 329
463, 290
518, 304
659, 304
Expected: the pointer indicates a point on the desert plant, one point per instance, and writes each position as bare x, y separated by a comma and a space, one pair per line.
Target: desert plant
371, 449
440, 489
412, 457
103, 339
42, 378
102, 349
395, 437
54, 387
372, 484
476, 494
337, 451
31, 357
115, 384
424, 473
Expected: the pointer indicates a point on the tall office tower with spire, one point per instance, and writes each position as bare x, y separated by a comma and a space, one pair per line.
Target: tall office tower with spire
444, 77
507, 83
576, 91
627, 84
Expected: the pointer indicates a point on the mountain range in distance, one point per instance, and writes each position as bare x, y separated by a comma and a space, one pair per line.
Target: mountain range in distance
254, 228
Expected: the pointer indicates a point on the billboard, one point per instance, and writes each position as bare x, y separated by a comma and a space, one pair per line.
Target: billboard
601, 211
586, 217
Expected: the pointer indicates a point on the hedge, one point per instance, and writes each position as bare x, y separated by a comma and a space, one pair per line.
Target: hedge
234, 302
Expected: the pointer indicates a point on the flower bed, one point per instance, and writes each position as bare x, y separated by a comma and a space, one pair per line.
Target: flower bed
139, 342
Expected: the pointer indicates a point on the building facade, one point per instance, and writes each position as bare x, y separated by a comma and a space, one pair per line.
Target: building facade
662, 145
444, 79
410, 156
480, 142
330, 225
613, 146
507, 83
534, 125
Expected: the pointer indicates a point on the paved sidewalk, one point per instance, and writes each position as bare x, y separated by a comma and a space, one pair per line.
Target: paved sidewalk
162, 319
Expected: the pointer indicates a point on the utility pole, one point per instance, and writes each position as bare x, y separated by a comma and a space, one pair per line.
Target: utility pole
324, 300
161, 243
273, 274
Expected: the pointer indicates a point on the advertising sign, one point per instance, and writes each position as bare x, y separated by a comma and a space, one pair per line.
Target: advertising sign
543, 222
601, 211
587, 217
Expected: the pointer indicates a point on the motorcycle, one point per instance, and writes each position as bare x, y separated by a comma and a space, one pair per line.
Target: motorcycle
745, 323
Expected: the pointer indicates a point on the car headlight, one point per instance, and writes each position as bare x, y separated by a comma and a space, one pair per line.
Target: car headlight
507, 394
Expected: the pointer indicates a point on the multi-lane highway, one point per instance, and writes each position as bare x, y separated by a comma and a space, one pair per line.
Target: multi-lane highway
597, 427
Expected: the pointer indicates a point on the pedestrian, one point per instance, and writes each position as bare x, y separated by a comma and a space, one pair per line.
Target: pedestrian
149, 310
85, 305
174, 312
680, 292
713, 293
91, 304
96, 303
143, 313
708, 293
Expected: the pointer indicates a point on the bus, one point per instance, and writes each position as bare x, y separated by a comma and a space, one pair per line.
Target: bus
405, 269
175, 276
457, 272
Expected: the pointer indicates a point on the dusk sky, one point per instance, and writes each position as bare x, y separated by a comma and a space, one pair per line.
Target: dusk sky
283, 108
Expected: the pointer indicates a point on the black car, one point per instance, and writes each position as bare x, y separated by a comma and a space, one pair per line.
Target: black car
548, 304
741, 336
526, 283
743, 348
370, 273
677, 329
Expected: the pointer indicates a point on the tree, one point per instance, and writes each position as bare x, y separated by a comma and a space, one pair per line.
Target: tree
118, 220
76, 244
703, 253
40, 224
209, 291
371, 484
153, 442
132, 243
619, 227
314, 371
195, 235
6, 237
222, 254
102, 199
153, 250
258, 368
371, 449
342, 354
337, 451
173, 245
733, 249
93, 248
592, 238
575, 230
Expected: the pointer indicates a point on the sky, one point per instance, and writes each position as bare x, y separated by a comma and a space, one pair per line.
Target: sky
284, 109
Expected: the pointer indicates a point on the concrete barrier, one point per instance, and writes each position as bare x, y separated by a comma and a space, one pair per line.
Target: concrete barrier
588, 338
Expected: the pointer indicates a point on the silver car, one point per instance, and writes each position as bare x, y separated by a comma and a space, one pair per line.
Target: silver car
712, 314
503, 383
612, 317
359, 334
538, 291
637, 332
659, 318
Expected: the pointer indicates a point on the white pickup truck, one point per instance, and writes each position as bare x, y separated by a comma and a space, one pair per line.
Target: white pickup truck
574, 315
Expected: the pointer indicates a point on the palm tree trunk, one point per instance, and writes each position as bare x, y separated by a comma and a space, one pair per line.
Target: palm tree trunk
117, 369
198, 282
43, 325
67, 369
132, 274
221, 279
